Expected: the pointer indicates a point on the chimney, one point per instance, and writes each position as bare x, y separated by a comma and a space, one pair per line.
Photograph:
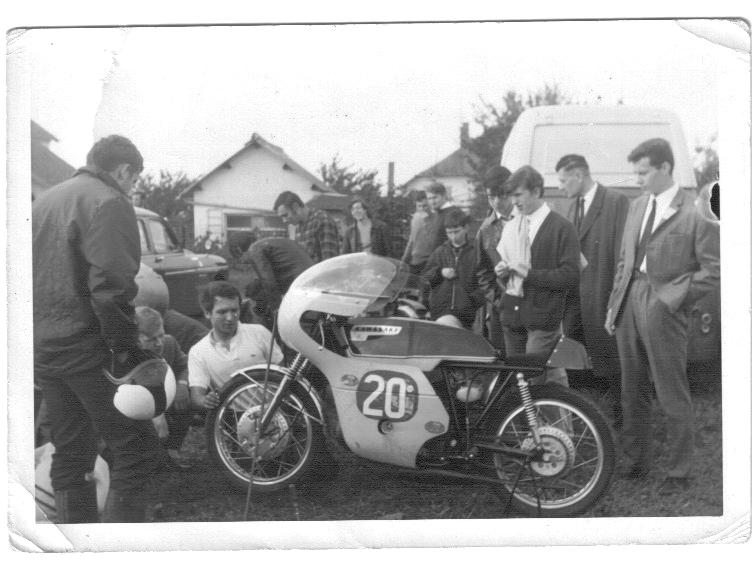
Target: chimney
464, 134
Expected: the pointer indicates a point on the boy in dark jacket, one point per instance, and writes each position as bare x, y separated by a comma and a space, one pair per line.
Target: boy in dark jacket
452, 273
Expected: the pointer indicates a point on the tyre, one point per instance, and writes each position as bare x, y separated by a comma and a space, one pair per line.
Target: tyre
287, 450
577, 461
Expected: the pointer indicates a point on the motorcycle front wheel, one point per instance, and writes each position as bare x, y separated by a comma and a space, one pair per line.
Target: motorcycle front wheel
286, 450
575, 465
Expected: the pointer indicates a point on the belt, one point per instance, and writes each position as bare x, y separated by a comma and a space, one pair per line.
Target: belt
638, 275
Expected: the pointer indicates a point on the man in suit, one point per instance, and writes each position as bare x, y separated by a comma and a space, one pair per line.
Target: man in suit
598, 215
669, 259
539, 263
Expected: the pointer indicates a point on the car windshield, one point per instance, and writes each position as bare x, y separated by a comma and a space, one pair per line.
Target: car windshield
361, 275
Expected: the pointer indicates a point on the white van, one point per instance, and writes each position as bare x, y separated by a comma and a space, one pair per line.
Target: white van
605, 135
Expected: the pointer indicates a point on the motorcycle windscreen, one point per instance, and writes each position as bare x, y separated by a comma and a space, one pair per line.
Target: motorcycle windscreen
362, 280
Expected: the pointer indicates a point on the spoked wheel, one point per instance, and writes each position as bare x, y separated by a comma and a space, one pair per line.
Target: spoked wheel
284, 452
576, 462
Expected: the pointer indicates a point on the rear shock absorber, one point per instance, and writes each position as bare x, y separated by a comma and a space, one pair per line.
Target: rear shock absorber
527, 403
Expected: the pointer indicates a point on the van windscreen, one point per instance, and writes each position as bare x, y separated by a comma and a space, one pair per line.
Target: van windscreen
605, 146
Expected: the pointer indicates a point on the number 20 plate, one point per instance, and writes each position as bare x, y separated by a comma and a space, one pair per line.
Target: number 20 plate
386, 395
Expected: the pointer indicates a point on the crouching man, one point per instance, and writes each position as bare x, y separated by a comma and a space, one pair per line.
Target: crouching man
152, 337
228, 347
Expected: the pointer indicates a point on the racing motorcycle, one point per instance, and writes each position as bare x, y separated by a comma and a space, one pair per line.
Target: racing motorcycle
411, 393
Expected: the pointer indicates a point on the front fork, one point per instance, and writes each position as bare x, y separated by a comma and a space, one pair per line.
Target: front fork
527, 403
297, 366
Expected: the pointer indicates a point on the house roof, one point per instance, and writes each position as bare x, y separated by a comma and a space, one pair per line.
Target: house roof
257, 141
47, 168
458, 163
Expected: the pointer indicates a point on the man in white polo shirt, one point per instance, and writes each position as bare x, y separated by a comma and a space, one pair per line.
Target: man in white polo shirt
228, 347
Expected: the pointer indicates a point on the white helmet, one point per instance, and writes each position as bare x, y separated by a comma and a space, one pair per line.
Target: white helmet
146, 391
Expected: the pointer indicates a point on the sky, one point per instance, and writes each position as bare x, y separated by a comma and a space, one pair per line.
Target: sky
189, 97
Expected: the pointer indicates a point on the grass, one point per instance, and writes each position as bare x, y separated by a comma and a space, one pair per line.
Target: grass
369, 491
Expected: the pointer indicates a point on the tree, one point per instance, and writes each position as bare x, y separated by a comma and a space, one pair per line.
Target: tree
394, 212
349, 180
162, 195
706, 162
497, 123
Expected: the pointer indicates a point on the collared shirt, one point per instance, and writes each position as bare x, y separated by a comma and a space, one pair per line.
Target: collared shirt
211, 362
319, 236
588, 198
535, 220
662, 203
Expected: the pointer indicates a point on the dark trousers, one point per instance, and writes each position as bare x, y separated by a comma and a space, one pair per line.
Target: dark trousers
653, 341
178, 424
80, 409
519, 340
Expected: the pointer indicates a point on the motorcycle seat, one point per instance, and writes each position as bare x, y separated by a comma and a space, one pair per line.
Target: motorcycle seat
526, 360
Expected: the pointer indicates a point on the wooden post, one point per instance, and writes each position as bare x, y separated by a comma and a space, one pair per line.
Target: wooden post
390, 181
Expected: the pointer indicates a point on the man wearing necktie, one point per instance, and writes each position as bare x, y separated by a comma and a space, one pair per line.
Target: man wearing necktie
598, 215
669, 259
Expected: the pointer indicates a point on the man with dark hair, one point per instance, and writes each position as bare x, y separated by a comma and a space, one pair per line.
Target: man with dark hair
228, 347
316, 229
598, 215
272, 265
86, 255
486, 241
539, 256
438, 201
455, 294
669, 259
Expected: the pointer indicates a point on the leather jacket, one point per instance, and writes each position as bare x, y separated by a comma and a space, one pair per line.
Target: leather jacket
86, 254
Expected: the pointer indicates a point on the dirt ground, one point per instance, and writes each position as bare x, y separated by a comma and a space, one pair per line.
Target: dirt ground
365, 491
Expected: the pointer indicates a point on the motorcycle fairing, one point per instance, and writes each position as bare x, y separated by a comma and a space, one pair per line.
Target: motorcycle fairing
388, 422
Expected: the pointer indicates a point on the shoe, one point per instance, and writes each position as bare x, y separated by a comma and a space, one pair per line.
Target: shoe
673, 485
124, 508
635, 472
177, 460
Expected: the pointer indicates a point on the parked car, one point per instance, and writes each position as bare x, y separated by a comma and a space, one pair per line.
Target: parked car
183, 271
605, 135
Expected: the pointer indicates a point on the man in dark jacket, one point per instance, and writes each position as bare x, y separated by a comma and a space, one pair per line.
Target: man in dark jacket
539, 261
452, 274
486, 241
273, 264
598, 214
86, 254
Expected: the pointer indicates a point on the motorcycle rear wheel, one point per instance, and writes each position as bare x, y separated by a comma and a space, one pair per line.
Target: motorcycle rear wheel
578, 461
290, 445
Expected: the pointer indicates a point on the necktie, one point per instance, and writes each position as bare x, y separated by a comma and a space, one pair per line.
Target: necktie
579, 214
642, 246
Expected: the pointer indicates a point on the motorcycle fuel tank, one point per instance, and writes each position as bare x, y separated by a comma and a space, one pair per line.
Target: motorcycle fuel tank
407, 337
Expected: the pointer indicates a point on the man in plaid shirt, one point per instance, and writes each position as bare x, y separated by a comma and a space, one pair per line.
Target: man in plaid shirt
317, 231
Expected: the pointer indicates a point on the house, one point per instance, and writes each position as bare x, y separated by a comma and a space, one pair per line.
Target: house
456, 172
47, 168
238, 195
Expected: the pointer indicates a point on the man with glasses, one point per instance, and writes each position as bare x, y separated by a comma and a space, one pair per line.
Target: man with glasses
598, 214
